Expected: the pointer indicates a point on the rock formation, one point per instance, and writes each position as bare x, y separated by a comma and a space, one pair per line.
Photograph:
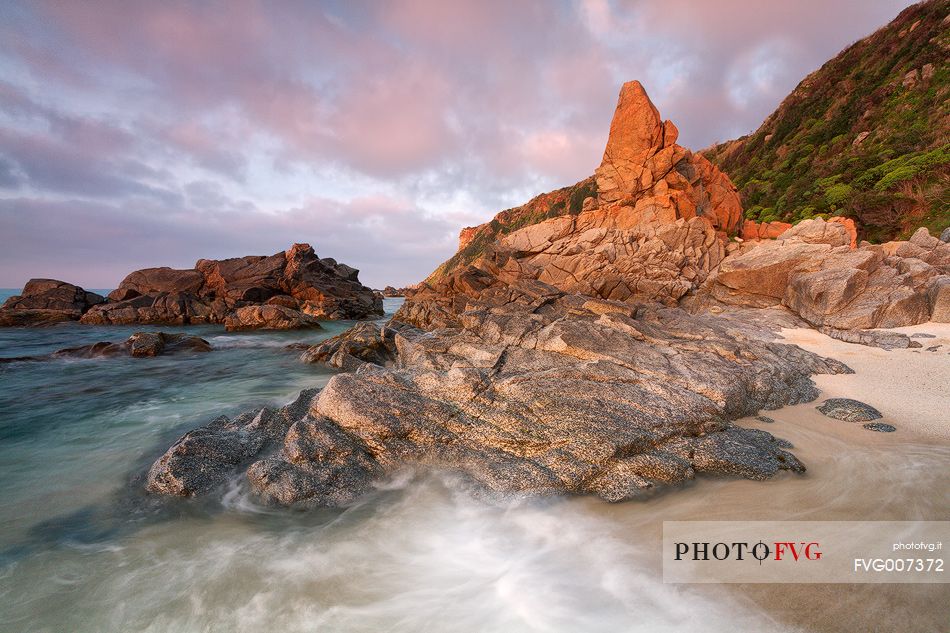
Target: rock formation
812, 270
648, 176
363, 343
46, 301
291, 289
295, 287
601, 350
269, 317
537, 392
752, 230
645, 177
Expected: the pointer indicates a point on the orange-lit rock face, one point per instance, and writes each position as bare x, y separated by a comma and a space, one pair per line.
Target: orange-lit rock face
466, 235
752, 230
643, 169
849, 226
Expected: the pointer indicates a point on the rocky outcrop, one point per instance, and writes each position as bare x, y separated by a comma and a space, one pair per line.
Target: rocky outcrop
813, 270
582, 254
644, 178
46, 301
205, 457
363, 343
535, 392
752, 230
554, 357
390, 291
269, 317
644, 172
288, 289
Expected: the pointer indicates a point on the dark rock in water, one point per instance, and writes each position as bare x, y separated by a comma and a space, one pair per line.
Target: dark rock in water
765, 418
47, 301
849, 410
95, 350
923, 335
934, 348
286, 290
155, 343
204, 458
880, 427
534, 392
139, 345
872, 338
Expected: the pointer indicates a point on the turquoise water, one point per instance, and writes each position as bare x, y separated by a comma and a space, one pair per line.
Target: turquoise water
83, 549
75, 432
6, 293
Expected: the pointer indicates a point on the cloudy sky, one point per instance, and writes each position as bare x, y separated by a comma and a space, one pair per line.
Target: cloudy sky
138, 134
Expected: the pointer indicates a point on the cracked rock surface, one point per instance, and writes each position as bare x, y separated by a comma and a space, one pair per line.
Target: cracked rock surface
535, 392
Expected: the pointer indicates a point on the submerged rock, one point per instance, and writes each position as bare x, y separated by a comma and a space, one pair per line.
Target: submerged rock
139, 345
205, 458
849, 410
880, 427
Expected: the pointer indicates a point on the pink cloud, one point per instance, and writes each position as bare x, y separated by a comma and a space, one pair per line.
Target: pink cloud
148, 117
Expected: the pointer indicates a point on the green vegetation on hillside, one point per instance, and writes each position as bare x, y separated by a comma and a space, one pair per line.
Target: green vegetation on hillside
866, 136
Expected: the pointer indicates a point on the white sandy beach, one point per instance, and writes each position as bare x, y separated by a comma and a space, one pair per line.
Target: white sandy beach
910, 387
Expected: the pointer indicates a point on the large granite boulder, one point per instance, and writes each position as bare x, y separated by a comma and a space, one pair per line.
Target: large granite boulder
533, 391
46, 301
154, 281
285, 290
814, 270
204, 458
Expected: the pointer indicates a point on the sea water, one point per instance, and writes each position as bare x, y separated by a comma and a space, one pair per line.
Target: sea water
83, 548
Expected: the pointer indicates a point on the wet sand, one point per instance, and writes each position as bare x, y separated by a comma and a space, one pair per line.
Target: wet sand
856, 474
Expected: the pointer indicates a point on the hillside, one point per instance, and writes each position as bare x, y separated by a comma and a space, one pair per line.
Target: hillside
865, 136
473, 240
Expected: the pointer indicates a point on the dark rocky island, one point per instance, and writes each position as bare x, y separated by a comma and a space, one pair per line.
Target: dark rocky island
287, 290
